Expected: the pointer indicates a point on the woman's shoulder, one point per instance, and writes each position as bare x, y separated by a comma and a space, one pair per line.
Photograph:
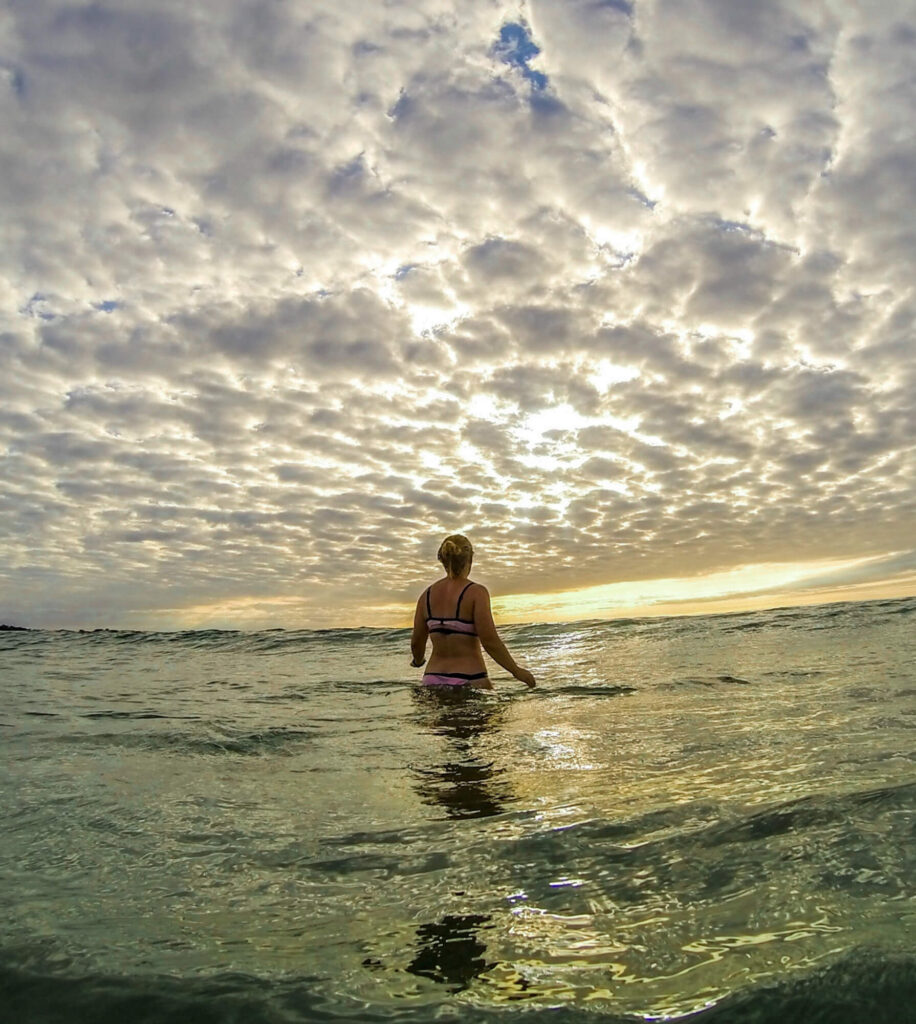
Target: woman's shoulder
431, 588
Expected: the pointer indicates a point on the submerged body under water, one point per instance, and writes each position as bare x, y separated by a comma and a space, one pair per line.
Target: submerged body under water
709, 815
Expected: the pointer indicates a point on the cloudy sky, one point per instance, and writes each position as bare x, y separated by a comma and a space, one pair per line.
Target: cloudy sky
623, 289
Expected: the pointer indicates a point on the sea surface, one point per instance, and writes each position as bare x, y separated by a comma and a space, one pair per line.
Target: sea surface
707, 817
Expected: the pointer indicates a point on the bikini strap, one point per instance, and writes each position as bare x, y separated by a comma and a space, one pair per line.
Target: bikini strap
458, 608
429, 611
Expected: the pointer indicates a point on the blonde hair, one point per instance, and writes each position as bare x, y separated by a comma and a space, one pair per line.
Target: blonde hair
455, 554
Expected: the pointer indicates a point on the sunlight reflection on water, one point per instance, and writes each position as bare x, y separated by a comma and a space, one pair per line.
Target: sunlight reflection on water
698, 809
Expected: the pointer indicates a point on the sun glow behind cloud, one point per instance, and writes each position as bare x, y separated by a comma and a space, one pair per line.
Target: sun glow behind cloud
747, 586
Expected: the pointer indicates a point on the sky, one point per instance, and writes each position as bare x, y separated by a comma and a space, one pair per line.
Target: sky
290, 290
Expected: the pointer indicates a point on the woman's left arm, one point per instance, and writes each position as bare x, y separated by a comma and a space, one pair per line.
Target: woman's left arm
419, 636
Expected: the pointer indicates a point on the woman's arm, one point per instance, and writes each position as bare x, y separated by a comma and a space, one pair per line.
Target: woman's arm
419, 636
489, 638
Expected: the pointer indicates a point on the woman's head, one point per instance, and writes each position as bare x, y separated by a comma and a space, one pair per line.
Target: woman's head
456, 555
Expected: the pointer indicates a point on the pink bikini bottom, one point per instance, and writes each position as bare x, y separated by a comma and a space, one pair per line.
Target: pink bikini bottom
451, 678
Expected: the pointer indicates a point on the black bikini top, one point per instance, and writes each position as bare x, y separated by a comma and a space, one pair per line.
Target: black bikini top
455, 625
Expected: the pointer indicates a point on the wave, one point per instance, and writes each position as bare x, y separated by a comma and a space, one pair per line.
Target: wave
725, 678
669, 849
274, 741
574, 690
260, 642
135, 715
809, 811
278, 641
863, 984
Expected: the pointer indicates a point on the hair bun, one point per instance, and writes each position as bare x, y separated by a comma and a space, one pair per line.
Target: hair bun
455, 553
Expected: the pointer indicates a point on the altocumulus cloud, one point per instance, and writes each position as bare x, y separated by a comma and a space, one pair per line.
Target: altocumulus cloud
624, 289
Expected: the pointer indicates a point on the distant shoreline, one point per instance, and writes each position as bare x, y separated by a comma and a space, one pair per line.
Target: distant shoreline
13, 629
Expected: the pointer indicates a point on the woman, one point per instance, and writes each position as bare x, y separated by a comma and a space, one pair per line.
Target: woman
456, 613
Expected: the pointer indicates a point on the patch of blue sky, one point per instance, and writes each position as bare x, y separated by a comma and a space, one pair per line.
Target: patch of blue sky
37, 306
737, 226
108, 306
517, 48
642, 198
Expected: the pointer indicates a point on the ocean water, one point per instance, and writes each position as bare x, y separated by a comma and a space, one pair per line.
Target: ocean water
708, 817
